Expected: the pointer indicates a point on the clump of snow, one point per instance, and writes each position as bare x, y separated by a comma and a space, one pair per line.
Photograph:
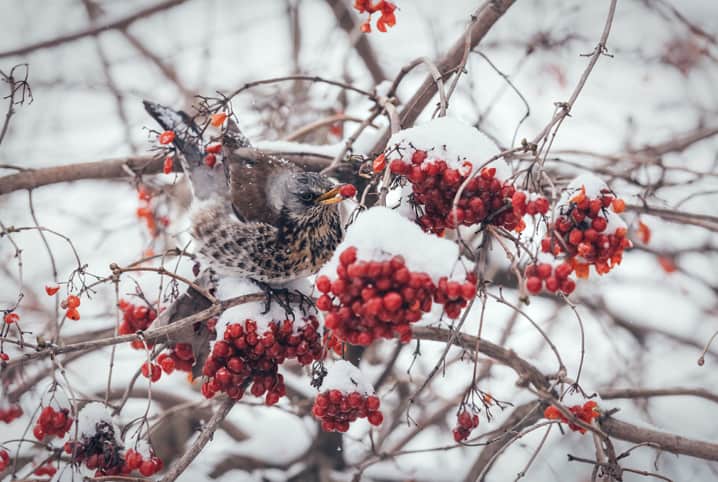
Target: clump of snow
347, 378
380, 233
614, 222
592, 183
88, 418
450, 140
231, 287
144, 448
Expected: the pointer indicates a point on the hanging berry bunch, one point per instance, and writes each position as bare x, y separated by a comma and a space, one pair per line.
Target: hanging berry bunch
387, 18
466, 422
71, 305
381, 299
135, 318
586, 413
588, 230
336, 410
484, 200
250, 356
346, 398
52, 422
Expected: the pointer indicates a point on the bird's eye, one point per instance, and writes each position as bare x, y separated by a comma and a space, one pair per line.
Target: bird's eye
306, 196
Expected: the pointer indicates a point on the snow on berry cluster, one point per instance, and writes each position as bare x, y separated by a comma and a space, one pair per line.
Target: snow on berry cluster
100, 449
251, 354
485, 198
135, 318
52, 422
586, 413
346, 398
588, 229
386, 276
437, 158
465, 423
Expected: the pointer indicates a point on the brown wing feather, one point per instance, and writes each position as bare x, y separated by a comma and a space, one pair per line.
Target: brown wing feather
248, 180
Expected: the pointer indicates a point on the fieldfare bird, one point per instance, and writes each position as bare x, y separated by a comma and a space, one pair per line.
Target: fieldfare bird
261, 218
267, 219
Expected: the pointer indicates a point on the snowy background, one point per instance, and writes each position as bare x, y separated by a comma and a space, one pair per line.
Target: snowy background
644, 327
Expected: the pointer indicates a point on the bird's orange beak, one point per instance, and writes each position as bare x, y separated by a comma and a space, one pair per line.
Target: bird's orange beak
332, 196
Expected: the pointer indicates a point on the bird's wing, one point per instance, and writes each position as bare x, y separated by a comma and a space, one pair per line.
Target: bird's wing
206, 182
248, 178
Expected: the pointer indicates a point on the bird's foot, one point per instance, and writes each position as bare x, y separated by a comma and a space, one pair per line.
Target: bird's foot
284, 297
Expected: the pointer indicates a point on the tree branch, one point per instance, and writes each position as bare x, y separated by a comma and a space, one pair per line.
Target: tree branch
71, 37
482, 21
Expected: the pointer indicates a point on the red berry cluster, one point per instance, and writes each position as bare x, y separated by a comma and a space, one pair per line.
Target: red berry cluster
455, 295
135, 318
146, 466
247, 356
101, 453
485, 199
47, 469
380, 299
8, 414
151, 370
337, 410
552, 278
52, 422
180, 358
585, 413
387, 19
4, 460
580, 232
465, 423
71, 303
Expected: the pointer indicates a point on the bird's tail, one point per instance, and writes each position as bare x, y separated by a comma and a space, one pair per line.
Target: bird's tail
206, 182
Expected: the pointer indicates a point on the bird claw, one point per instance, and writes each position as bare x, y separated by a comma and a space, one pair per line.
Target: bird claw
283, 297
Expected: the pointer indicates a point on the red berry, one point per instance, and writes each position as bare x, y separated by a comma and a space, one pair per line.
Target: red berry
418, 157
51, 290
73, 301
347, 191
11, 318
166, 137
214, 148
372, 402
210, 160
168, 165
567, 286
73, 314
348, 256
375, 418
544, 270
533, 284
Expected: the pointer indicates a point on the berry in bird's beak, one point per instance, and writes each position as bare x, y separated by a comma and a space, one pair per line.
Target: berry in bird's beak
337, 194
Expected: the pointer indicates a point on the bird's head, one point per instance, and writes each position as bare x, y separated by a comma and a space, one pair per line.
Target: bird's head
305, 194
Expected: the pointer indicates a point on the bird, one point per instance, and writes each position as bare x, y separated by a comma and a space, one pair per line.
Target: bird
263, 219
